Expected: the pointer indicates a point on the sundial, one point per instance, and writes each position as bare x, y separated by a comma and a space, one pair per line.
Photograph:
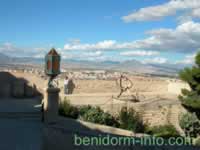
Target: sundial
125, 84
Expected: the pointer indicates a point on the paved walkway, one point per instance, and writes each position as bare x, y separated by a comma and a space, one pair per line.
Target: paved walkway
20, 124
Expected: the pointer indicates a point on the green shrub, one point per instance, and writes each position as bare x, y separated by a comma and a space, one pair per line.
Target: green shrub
190, 123
87, 113
130, 120
67, 110
197, 142
165, 131
97, 115
84, 109
110, 120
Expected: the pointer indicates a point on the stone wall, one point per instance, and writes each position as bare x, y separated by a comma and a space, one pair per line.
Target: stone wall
18, 87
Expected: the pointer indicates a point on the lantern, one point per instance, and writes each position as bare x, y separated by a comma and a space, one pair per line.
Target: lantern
52, 63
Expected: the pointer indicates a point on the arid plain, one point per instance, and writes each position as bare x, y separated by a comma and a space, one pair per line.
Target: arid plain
158, 96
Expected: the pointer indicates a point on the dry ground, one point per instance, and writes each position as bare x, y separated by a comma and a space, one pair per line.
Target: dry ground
158, 96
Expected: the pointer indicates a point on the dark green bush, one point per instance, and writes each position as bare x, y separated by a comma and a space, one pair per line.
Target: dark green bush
165, 131
97, 115
190, 123
197, 142
67, 110
84, 109
87, 113
130, 120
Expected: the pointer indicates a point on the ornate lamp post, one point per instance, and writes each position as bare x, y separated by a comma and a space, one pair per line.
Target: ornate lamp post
51, 102
52, 66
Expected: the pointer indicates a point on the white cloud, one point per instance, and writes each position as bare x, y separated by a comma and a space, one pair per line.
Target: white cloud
196, 13
93, 54
185, 38
8, 47
160, 11
139, 53
107, 44
184, 18
16, 51
39, 56
189, 59
85, 55
67, 56
156, 60
12, 50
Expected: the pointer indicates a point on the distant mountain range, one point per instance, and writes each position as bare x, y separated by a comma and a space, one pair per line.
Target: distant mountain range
4, 58
133, 66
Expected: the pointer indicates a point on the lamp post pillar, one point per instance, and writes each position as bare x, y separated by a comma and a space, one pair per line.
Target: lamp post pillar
51, 101
51, 105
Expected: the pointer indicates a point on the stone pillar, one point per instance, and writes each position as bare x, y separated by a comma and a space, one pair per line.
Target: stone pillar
51, 105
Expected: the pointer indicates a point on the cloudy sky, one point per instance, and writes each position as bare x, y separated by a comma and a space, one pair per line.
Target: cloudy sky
151, 31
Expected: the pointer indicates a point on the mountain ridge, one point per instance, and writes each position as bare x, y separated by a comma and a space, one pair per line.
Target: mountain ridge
126, 66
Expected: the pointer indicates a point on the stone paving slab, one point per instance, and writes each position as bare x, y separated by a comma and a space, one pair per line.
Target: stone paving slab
19, 134
20, 105
20, 124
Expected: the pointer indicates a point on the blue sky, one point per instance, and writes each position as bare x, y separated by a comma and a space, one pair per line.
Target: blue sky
151, 31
